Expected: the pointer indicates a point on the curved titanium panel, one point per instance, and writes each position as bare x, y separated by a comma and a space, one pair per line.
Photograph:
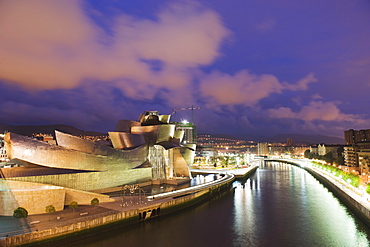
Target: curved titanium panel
122, 140
151, 132
156, 133
166, 133
164, 119
179, 164
79, 144
179, 134
41, 153
188, 152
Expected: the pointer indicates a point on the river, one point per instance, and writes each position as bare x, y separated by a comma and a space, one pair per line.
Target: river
280, 205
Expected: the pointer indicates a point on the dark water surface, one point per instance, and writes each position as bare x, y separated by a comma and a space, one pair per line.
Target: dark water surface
280, 205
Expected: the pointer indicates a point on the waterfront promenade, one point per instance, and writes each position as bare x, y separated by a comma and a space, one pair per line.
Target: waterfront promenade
358, 194
134, 205
10, 226
356, 199
87, 216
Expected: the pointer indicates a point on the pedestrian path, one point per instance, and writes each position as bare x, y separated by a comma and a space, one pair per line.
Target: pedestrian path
10, 226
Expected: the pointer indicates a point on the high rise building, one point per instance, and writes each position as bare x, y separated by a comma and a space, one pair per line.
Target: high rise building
190, 132
289, 141
357, 151
352, 136
262, 149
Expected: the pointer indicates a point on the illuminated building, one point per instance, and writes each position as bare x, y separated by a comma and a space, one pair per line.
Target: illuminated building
262, 149
148, 150
190, 131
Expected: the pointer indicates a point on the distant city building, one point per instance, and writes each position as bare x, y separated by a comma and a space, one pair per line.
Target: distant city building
289, 141
3, 155
314, 150
45, 138
278, 149
356, 157
189, 130
352, 136
222, 143
323, 149
206, 152
350, 158
357, 150
364, 162
262, 149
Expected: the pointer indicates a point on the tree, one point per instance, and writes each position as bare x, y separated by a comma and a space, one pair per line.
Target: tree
20, 213
73, 205
340, 160
328, 157
50, 209
95, 202
307, 154
225, 161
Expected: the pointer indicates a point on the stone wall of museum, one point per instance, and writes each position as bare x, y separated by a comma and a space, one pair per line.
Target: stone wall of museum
92, 180
34, 198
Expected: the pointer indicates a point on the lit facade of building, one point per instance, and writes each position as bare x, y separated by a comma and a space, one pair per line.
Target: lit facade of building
189, 130
351, 159
323, 149
357, 150
262, 149
3, 155
148, 150
352, 136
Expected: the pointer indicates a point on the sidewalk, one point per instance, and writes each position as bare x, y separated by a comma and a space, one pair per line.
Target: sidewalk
11, 226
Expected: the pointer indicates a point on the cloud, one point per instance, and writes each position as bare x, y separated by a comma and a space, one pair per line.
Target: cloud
302, 84
316, 110
245, 88
51, 44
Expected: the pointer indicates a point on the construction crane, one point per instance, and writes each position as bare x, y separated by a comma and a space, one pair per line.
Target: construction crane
192, 108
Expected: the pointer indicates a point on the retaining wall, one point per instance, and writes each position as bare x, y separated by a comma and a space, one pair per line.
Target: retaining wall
362, 212
128, 216
357, 208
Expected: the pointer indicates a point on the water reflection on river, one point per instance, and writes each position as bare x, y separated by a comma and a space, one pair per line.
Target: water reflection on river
280, 205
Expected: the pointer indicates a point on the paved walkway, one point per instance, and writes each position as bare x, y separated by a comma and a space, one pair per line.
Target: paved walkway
12, 226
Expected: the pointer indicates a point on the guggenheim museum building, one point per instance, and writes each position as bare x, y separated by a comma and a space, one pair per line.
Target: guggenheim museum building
149, 150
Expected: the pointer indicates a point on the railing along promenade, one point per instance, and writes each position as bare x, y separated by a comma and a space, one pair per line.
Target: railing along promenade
176, 193
159, 200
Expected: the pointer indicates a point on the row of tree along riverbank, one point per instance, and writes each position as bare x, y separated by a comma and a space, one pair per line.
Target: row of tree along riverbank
357, 207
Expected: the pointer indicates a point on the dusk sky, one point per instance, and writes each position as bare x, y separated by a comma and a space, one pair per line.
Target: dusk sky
254, 66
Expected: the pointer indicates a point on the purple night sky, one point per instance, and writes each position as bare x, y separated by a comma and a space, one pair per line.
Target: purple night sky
263, 67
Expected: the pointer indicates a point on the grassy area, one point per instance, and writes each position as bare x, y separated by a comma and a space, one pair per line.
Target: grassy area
351, 178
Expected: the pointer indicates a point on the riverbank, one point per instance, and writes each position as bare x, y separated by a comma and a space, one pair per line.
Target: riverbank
345, 193
354, 199
39, 228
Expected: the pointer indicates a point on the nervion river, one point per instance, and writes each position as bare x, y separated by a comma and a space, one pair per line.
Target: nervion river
280, 205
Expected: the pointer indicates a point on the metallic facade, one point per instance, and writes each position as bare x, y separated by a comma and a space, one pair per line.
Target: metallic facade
140, 151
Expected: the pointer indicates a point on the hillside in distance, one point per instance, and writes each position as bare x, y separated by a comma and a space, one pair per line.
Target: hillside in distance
306, 139
28, 130
282, 138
